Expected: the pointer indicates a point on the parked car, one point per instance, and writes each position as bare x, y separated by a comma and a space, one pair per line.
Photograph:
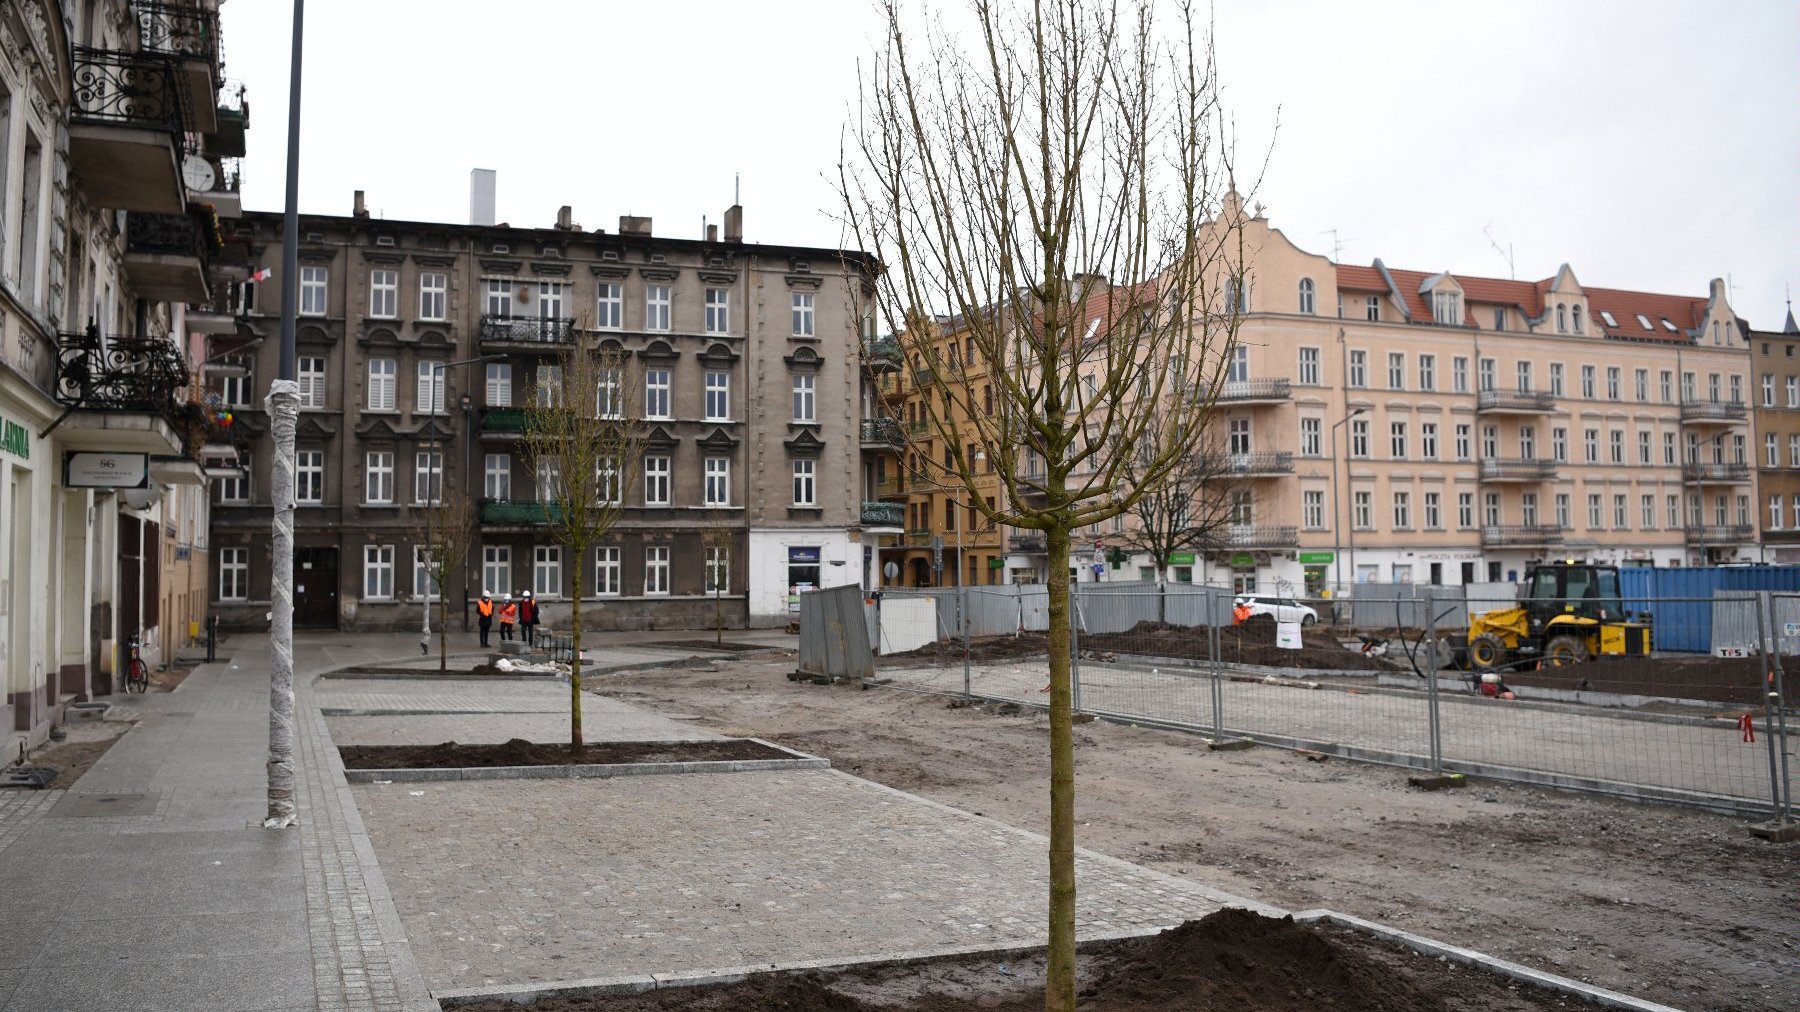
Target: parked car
1283, 609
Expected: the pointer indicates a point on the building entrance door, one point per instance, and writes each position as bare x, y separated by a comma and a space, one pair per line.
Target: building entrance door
315, 588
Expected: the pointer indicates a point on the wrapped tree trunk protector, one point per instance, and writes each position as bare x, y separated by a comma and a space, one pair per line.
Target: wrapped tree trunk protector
284, 411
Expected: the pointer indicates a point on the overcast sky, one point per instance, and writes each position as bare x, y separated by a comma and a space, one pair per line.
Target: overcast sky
1650, 144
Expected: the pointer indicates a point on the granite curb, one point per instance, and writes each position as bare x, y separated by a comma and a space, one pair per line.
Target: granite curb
589, 771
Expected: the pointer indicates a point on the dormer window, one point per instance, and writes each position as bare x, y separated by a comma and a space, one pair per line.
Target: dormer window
1562, 318
1670, 327
1607, 315
1446, 308
1644, 321
1575, 316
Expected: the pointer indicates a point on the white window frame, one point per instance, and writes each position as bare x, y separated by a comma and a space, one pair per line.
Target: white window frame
234, 573
606, 481
497, 385
801, 306
309, 477
1427, 372
609, 400
656, 570
434, 298
1308, 297
1309, 366
1359, 369
496, 569
717, 405
607, 571
609, 306
310, 369
546, 571
805, 485
805, 399
313, 283
428, 477
425, 586
378, 478
718, 310
717, 481
384, 293
378, 573
429, 396
718, 569
658, 393
1312, 509
236, 488
1312, 437
496, 476
1434, 511
659, 301
384, 374
656, 480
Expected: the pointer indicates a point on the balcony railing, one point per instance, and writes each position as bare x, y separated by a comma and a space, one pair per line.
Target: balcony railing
175, 30
883, 432
516, 512
509, 421
882, 355
919, 537
1025, 543
125, 89
1535, 535
1517, 469
183, 235
1250, 536
1719, 534
891, 486
1713, 411
119, 373
883, 514
1516, 401
526, 330
1241, 391
1260, 462
1700, 472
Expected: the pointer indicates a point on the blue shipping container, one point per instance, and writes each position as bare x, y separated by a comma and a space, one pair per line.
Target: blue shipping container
1687, 625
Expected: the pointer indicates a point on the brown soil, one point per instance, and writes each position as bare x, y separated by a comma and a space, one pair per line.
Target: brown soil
87, 742
1233, 960
1250, 643
1676, 676
519, 752
1669, 904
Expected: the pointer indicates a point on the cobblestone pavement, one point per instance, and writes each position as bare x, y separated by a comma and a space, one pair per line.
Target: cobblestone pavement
699, 871
1589, 742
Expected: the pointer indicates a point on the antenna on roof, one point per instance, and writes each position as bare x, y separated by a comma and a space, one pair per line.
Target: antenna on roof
1512, 273
1337, 245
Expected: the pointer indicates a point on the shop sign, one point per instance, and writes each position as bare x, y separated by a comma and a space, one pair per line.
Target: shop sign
996, 563
808, 554
15, 439
1317, 558
106, 470
1243, 560
1181, 558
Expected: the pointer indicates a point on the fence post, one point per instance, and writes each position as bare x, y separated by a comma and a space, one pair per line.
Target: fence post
1431, 688
965, 627
1075, 644
1774, 712
1212, 651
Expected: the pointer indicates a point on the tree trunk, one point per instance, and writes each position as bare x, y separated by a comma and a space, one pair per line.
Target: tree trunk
443, 630
284, 411
1059, 984
575, 743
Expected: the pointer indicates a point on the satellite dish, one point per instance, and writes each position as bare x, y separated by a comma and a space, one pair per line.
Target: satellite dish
891, 570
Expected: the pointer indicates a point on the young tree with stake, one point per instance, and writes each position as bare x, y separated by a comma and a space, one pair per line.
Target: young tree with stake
444, 529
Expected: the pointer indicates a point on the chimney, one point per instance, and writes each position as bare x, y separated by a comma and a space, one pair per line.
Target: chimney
565, 218
734, 223
629, 225
712, 233
481, 196
361, 209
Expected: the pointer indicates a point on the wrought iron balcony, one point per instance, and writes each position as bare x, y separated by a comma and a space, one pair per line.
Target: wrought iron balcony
125, 124
1264, 462
1251, 391
1525, 535
526, 330
504, 421
178, 30
924, 376
882, 432
1025, 543
1719, 534
1515, 402
1721, 412
125, 89
883, 514
517, 512
1517, 469
232, 119
1702, 473
882, 355
167, 255
1250, 536
119, 373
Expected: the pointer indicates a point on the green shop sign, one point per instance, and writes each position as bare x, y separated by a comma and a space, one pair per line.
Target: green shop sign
15, 439
996, 563
1317, 558
1243, 560
1181, 558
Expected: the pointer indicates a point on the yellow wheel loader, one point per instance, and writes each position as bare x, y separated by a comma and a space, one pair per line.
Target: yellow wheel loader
1568, 612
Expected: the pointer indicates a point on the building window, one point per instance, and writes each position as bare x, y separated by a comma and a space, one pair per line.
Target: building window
1556, 379
1311, 433
1372, 308
606, 481
718, 569
1562, 509
1490, 441
802, 314
1738, 449
608, 391
499, 297
312, 291
656, 393
1459, 374
546, 570
496, 569
609, 306
1364, 506
1669, 448
1499, 318
1612, 382
606, 571
1793, 455
657, 299
1590, 445
1427, 372
1674, 511
1397, 440
1587, 382
718, 481
718, 395
718, 311
1490, 507
1793, 391
1620, 521
1465, 509
1559, 444
656, 481
1446, 308
1308, 297
496, 480
1688, 396
1615, 441
1644, 451
384, 294
1642, 378
805, 473
1462, 441
1428, 440
1647, 511
1528, 442
1238, 435
378, 572
424, 583
1312, 505
549, 481
236, 487
1522, 373
1486, 368
1402, 510
1743, 510
1309, 366
378, 484
311, 373
234, 391
1774, 520
309, 476
1595, 520
1768, 390
234, 572
656, 569
1359, 368
431, 388
1434, 510
382, 375
805, 406
1665, 387
1575, 316
1528, 509
1359, 437
432, 289
428, 477
1396, 370
499, 384
1562, 318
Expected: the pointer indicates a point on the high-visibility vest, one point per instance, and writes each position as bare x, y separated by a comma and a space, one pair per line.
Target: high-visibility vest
486, 607
508, 613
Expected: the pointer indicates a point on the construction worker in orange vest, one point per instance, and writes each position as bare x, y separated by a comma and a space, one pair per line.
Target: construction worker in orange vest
1240, 613
509, 614
484, 615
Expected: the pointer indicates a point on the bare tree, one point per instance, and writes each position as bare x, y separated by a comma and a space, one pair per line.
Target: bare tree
444, 529
1190, 510
582, 447
1058, 192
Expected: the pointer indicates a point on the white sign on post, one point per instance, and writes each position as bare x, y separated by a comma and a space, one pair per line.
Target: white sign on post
1287, 635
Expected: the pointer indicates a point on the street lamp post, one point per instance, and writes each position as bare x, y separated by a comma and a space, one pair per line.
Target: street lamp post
1337, 544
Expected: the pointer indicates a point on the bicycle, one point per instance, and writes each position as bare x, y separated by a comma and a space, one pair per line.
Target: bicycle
137, 673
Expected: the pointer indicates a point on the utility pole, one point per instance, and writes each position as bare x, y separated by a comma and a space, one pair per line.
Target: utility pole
284, 412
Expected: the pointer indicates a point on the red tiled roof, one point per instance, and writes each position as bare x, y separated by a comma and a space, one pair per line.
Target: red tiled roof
1685, 312
1360, 279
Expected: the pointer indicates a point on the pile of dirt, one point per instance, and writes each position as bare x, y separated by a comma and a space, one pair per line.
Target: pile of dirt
982, 649
1250, 643
1231, 960
519, 752
1673, 676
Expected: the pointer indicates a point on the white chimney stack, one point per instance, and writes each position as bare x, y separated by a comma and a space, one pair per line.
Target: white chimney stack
481, 196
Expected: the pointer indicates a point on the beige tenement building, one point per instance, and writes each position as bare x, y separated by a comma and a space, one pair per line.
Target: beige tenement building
1446, 428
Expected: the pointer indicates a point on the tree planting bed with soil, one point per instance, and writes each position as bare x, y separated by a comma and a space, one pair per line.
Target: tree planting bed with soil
1675, 676
1253, 642
519, 752
1231, 961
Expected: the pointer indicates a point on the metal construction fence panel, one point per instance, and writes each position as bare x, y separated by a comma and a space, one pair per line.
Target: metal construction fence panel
1670, 726
834, 634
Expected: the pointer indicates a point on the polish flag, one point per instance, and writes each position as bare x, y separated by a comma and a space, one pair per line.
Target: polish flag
262, 275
